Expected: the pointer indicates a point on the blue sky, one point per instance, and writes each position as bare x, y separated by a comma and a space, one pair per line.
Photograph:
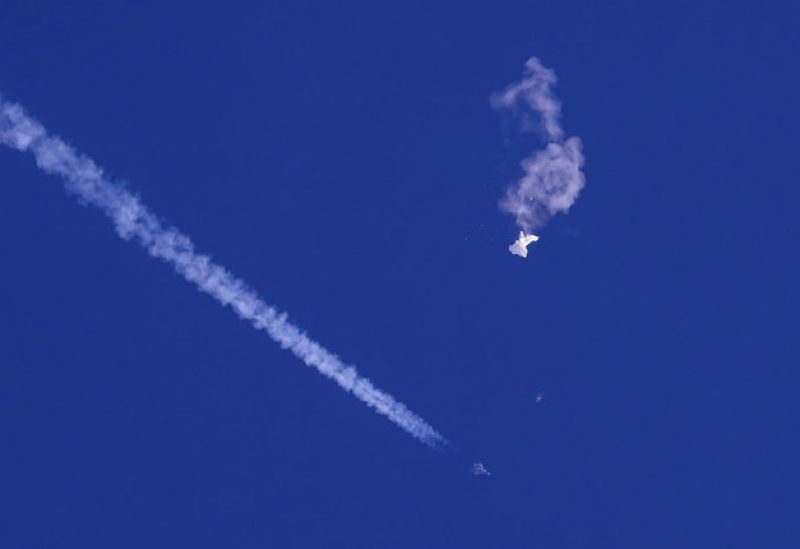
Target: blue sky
346, 163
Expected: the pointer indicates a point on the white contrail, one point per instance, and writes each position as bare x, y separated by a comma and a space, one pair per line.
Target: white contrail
552, 177
134, 221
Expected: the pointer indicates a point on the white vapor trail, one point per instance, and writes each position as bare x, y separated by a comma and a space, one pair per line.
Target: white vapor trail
133, 221
552, 177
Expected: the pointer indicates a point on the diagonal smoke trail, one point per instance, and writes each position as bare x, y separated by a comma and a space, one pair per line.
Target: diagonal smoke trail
552, 177
134, 221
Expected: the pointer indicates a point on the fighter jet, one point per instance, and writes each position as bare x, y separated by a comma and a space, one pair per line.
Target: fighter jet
520, 247
478, 469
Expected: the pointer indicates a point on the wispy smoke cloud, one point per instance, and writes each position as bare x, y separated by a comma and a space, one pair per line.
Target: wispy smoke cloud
133, 221
552, 177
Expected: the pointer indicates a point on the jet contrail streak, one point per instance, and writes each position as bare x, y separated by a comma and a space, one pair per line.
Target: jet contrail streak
133, 221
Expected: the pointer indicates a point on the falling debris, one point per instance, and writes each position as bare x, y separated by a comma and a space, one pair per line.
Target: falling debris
539, 396
479, 470
520, 246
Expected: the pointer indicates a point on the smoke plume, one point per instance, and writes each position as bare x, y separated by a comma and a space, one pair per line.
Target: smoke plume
552, 177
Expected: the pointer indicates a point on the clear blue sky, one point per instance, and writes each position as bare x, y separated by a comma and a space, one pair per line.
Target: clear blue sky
346, 163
